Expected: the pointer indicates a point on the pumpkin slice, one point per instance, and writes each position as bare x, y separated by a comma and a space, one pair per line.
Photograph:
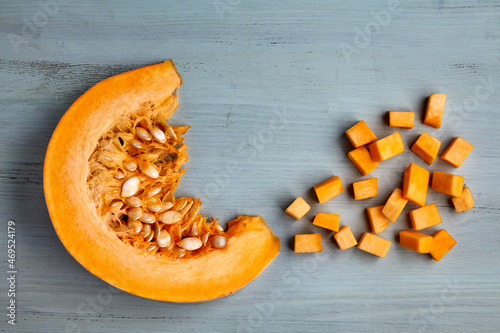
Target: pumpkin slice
111, 169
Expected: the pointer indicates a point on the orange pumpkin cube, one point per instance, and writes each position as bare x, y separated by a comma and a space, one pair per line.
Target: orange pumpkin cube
387, 147
426, 147
403, 119
362, 159
327, 221
344, 238
425, 217
328, 189
464, 202
447, 183
360, 134
435, 109
308, 243
415, 241
298, 208
457, 151
378, 221
415, 184
442, 242
374, 244
365, 189
394, 205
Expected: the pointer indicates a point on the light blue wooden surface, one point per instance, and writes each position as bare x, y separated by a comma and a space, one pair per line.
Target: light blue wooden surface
269, 88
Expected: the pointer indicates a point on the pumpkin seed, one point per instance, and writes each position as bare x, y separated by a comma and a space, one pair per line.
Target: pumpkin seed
163, 239
149, 170
166, 206
194, 230
170, 217
218, 241
136, 143
135, 213
149, 237
145, 230
133, 201
148, 218
186, 209
154, 205
129, 165
204, 238
135, 226
152, 248
119, 174
171, 132
179, 204
115, 203
158, 134
108, 159
190, 243
130, 186
221, 229
153, 191
142, 134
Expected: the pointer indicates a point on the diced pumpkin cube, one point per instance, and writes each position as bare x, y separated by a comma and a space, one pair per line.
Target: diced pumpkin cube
457, 151
344, 238
394, 205
415, 184
415, 241
298, 208
442, 242
378, 221
426, 147
464, 202
374, 244
308, 243
387, 147
447, 183
328, 189
362, 159
327, 221
360, 134
403, 119
425, 217
435, 109
364, 189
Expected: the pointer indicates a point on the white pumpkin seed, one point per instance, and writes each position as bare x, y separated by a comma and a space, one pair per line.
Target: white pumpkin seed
149, 170
158, 134
129, 165
219, 228
152, 248
115, 203
142, 134
218, 241
154, 205
135, 213
194, 230
170, 217
108, 159
145, 230
149, 237
163, 239
133, 201
148, 218
190, 243
186, 208
166, 206
136, 143
135, 226
171, 132
153, 191
179, 204
204, 238
119, 174
130, 186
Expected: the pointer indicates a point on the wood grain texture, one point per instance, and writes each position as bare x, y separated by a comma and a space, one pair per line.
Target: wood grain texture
269, 88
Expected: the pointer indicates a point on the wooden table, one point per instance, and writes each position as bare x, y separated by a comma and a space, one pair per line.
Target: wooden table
312, 69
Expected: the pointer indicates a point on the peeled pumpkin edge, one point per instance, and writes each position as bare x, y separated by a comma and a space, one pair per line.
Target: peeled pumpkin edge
251, 244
